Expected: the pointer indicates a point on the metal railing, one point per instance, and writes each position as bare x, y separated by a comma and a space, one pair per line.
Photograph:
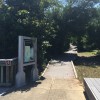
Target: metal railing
8, 69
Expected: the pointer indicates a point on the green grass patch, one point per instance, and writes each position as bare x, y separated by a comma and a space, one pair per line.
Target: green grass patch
88, 54
88, 65
88, 71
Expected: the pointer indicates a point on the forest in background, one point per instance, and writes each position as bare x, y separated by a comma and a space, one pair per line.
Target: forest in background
53, 24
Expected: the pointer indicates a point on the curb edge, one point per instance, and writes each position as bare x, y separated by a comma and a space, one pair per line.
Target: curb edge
74, 69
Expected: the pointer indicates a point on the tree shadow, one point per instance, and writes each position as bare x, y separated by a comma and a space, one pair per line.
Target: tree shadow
91, 61
65, 57
25, 88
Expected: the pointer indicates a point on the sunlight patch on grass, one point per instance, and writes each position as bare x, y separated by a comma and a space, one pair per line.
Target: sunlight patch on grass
88, 54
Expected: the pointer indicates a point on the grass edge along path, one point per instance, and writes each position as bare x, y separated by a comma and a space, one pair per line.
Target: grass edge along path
88, 69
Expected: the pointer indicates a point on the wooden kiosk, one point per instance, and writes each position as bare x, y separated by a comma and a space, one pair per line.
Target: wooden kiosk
21, 70
27, 61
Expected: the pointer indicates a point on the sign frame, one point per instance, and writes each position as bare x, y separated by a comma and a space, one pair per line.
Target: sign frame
20, 76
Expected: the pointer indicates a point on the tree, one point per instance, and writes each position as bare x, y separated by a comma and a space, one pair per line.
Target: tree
1, 2
53, 24
77, 15
20, 17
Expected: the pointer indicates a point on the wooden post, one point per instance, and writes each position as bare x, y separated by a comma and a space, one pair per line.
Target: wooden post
11, 74
35, 70
1, 74
7, 74
20, 76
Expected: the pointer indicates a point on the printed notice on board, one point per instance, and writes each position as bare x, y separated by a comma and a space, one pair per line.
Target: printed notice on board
28, 53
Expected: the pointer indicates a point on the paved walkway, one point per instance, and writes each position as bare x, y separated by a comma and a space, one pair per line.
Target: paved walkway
60, 70
57, 83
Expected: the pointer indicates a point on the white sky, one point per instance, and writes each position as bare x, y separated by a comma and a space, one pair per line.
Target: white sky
63, 1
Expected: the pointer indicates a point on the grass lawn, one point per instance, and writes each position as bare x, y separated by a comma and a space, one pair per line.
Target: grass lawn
88, 54
87, 65
87, 71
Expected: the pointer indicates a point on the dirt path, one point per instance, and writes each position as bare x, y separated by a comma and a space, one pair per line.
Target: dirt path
57, 83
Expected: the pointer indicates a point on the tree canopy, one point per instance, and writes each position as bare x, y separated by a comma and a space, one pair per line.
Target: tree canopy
53, 24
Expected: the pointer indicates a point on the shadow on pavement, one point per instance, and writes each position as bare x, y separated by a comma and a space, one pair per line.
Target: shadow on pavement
66, 57
25, 88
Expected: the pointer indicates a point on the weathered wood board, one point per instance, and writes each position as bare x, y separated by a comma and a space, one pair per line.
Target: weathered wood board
92, 88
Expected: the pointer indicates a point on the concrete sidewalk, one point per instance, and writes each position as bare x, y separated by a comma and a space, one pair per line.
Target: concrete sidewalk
57, 83
64, 85
61, 70
56, 89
